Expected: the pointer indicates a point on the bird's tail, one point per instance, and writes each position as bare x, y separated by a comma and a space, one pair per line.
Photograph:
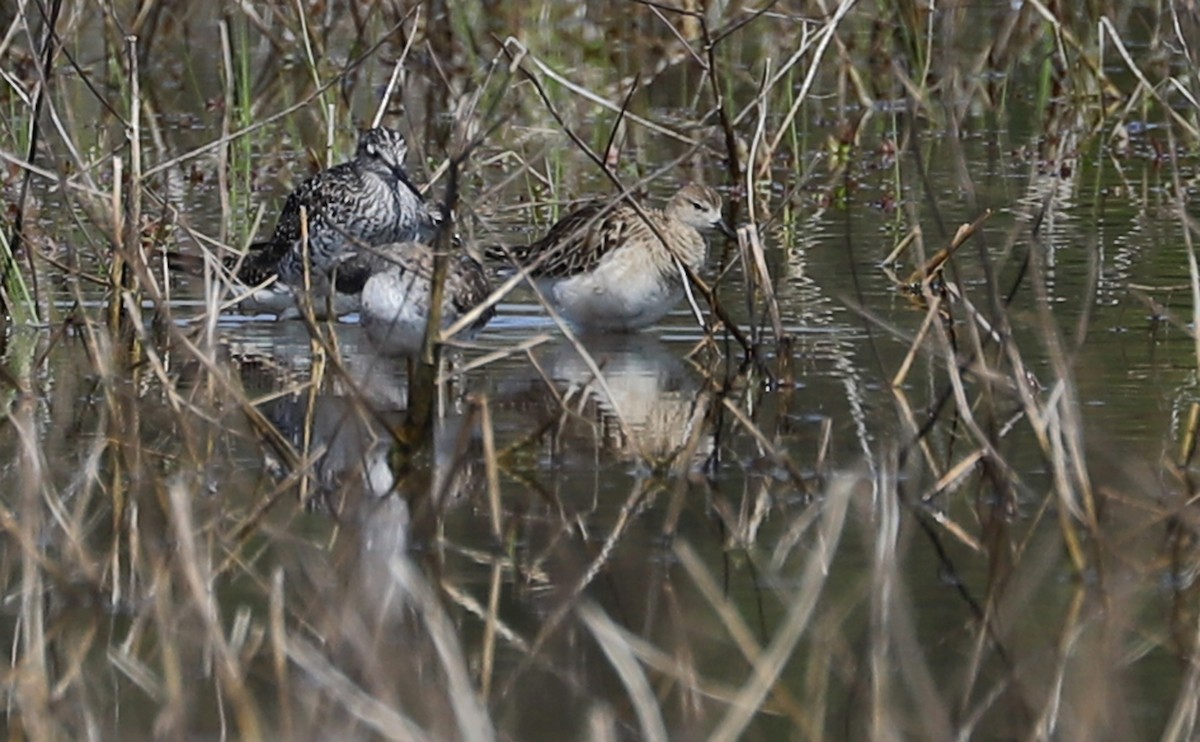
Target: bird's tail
254, 267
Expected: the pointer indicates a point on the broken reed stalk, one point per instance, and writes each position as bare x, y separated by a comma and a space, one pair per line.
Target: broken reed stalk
932, 267
490, 627
423, 382
116, 268
932, 313
128, 270
902, 246
330, 132
118, 492
1191, 431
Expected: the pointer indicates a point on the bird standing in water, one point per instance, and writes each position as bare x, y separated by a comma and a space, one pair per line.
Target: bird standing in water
367, 202
606, 267
397, 296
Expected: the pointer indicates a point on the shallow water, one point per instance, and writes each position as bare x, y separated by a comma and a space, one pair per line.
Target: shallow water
606, 485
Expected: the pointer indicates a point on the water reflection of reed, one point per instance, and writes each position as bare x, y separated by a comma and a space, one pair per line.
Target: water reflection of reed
367, 596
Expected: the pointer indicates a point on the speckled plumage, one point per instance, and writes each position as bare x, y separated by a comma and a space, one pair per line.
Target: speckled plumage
397, 280
368, 201
604, 267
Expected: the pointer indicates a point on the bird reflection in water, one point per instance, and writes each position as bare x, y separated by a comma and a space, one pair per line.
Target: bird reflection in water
365, 591
647, 402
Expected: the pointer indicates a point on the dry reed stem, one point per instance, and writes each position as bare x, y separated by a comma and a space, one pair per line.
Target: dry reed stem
375, 714
965, 410
765, 673
473, 722
756, 265
1109, 31
133, 222
902, 246
735, 625
494, 624
823, 38
490, 466
197, 579
277, 116
492, 620
498, 354
932, 314
391, 86
522, 53
622, 658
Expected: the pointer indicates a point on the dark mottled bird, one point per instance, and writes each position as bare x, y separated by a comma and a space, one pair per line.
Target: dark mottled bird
605, 267
366, 202
396, 283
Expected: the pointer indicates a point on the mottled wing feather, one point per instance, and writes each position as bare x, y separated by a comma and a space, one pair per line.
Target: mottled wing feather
577, 242
345, 205
323, 189
260, 263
